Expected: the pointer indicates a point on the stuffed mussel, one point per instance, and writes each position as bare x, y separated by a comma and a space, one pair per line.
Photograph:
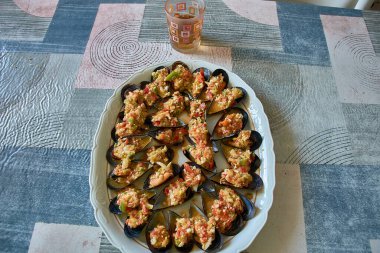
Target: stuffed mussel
206, 236
217, 83
245, 139
182, 231
160, 174
227, 99
175, 192
157, 233
128, 199
230, 123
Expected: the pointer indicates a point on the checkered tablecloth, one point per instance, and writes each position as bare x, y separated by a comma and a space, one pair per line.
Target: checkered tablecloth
315, 69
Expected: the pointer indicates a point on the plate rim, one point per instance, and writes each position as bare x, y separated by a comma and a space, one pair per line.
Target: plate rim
269, 185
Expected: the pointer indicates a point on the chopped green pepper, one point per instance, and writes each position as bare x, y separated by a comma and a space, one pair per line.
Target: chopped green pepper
173, 75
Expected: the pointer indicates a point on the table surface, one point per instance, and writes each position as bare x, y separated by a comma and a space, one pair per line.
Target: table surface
315, 69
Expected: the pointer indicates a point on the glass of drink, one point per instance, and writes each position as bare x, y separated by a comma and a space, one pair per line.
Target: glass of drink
185, 21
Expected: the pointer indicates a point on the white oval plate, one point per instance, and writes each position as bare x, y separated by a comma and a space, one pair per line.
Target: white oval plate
99, 192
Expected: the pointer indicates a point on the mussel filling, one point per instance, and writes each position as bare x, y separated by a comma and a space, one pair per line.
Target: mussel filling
198, 84
157, 154
226, 209
176, 104
129, 174
204, 231
123, 150
243, 140
159, 79
231, 124
171, 136
184, 231
164, 119
175, 192
160, 175
159, 237
132, 121
192, 176
236, 177
182, 78
215, 87
197, 109
198, 131
239, 157
203, 155
128, 199
138, 217
132, 100
227, 98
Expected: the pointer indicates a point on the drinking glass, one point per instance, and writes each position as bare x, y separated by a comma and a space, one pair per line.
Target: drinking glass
185, 21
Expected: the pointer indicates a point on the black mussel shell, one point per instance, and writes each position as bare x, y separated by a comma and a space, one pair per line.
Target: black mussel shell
127, 88
110, 158
133, 232
158, 68
120, 115
176, 171
255, 137
143, 84
217, 243
176, 63
230, 111
160, 202
114, 135
255, 164
114, 207
114, 185
185, 248
158, 218
215, 108
154, 133
224, 74
191, 158
206, 71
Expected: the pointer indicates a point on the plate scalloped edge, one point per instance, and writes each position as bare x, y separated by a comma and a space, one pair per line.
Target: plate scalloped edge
257, 111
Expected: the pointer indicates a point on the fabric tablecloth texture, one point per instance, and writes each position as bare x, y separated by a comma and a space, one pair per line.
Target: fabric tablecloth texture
315, 69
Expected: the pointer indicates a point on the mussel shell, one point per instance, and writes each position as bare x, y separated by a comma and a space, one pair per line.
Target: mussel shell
230, 111
255, 137
255, 164
191, 158
224, 74
115, 185
114, 207
187, 247
214, 108
217, 243
133, 232
143, 84
158, 218
127, 88
256, 184
110, 158
114, 135
206, 71
176, 171
176, 63
161, 197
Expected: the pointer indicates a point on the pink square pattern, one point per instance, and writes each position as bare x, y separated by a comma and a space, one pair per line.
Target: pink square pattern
181, 6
